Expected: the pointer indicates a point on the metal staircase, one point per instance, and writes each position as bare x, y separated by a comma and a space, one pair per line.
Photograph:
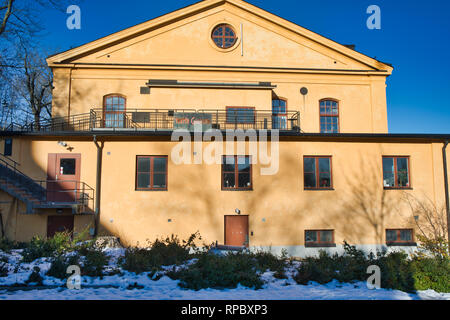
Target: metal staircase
34, 194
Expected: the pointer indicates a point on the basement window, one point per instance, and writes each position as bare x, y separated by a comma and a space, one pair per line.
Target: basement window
400, 237
319, 238
236, 173
151, 173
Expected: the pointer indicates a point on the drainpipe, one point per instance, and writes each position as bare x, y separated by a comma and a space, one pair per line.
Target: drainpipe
98, 183
447, 200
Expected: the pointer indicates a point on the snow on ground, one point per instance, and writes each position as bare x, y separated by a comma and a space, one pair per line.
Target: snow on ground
167, 289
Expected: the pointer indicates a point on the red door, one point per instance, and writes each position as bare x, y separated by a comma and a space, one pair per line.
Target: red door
57, 224
236, 231
63, 177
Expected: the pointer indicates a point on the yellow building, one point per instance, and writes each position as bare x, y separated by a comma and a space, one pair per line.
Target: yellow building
111, 158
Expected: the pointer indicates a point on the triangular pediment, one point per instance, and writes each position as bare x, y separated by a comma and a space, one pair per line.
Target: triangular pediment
183, 38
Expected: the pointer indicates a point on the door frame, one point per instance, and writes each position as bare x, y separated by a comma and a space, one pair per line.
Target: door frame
225, 227
53, 157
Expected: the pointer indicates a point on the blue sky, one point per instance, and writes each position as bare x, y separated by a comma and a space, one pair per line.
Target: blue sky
414, 37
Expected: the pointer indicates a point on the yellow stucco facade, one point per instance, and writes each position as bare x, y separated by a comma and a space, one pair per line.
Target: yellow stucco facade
267, 49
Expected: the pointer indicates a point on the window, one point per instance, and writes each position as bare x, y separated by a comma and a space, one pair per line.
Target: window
67, 167
240, 115
319, 238
329, 116
396, 172
151, 173
224, 36
114, 111
400, 237
279, 113
317, 173
236, 173
8, 147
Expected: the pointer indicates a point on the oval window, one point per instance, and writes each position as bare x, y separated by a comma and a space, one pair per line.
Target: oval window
224, 36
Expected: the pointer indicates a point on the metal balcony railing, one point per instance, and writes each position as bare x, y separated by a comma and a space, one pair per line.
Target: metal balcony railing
169, 119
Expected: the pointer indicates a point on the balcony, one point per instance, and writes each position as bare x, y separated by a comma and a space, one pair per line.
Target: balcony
168, 120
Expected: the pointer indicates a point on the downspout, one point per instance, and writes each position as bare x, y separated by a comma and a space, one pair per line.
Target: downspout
98, 183
447, 200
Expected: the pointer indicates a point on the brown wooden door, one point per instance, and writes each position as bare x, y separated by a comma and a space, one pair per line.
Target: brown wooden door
63, 177
59, 224
236, 231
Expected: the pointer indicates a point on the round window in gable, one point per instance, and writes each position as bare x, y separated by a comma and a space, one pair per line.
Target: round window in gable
224, 36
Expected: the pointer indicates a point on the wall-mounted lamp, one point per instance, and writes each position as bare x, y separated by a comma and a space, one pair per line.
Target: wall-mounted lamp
416, 218
237, 211
62, 143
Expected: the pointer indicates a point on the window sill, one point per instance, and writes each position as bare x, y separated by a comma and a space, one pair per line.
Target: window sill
401, 244
318, 189
397, 188
320, 245
251, 189
148, 190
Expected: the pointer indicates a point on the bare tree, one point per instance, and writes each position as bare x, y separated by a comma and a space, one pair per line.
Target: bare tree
33, 84
431, 222
21, 18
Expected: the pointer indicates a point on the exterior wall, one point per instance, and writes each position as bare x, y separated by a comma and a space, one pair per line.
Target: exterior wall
279, 208
362, 99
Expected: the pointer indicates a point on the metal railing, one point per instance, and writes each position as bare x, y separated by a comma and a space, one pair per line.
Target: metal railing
169, 119
45, 192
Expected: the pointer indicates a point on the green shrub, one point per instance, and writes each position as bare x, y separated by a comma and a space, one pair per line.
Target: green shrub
8, 245
35, 277
52, 247
165, 252
432, 273
3, 269
59, 265
94, 262
396, 269
396, 272
213, 271
42, 247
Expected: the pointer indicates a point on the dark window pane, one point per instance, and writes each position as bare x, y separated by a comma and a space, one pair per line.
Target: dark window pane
405, 235
310, 236
244, 164
309, 165
8, 147
324, 165
159, 165
244, 180
143, 180
326, 236
310, 180
229, 180
391, 235
143, 164
402, 179
402, 164
324, 180
67, 166
240, 115
228, 164
159, 180
388, 172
